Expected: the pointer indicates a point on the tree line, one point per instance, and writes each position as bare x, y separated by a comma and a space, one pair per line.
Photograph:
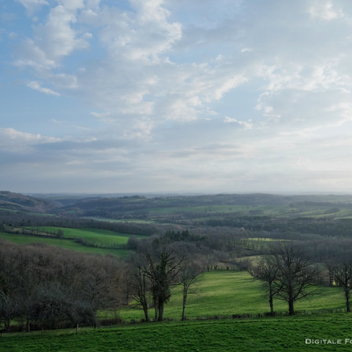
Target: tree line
288, 273
51, 287
48, 287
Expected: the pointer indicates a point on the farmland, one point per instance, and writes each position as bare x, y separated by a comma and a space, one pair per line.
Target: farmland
224, 293
104, 237
220, 293
100, 238
222, 231
253, 335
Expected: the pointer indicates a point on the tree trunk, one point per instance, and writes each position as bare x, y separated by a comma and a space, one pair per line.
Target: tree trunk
127, 297
184, 304
291, 311
271, 305
331, 278
7, 324
347, 295
28, 324
161, 311
145, 310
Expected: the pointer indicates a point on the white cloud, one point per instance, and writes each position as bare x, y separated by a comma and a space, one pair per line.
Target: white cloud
247, 125
32, 5
105, 116
159, 74
140, 36
17, 141
325, 10
54, 39
37, 86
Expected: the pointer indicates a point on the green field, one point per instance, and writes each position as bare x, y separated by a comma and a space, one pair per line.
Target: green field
67, 244
220, 293
253, 335
103, 237
232, 292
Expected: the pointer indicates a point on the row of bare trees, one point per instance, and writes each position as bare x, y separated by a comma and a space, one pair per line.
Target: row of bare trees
341, 276
154, 271
287, 273
52, 287
49, 287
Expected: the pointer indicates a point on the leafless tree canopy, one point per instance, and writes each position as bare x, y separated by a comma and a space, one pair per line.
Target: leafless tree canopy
297, 278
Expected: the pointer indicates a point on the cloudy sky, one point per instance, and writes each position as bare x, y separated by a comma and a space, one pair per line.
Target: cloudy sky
176, 96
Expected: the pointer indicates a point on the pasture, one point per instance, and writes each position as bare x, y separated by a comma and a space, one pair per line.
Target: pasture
219, 293
103, 237
224, 293
72, 245
252, 335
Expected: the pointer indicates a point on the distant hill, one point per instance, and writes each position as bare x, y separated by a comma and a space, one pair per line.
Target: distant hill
140, 205
177, 207
20, 202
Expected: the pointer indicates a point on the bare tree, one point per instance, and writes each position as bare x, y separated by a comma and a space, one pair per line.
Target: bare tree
8, 309
188, 275
267, 272
296, 276
162, 269
343, 278
331, 273
139, 284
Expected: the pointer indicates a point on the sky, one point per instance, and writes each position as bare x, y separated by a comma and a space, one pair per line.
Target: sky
138, 96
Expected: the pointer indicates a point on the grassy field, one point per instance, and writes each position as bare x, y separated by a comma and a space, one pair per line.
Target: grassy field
219, 293
103, 237
232, 292
67, 244
253, 335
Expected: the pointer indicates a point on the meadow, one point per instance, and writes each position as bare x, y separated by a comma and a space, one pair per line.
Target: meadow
248, 335
220, 294
224, 293
99, 237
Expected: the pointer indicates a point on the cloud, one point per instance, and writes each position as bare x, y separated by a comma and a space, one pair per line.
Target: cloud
17, 141
325, 10
54, 39
162, 82
37, 86
247, 125
32, 5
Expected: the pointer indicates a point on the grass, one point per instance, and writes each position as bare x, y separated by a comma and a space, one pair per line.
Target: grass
232, 292
27, 212
254, 335
103, 237
220, 293
67, 244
